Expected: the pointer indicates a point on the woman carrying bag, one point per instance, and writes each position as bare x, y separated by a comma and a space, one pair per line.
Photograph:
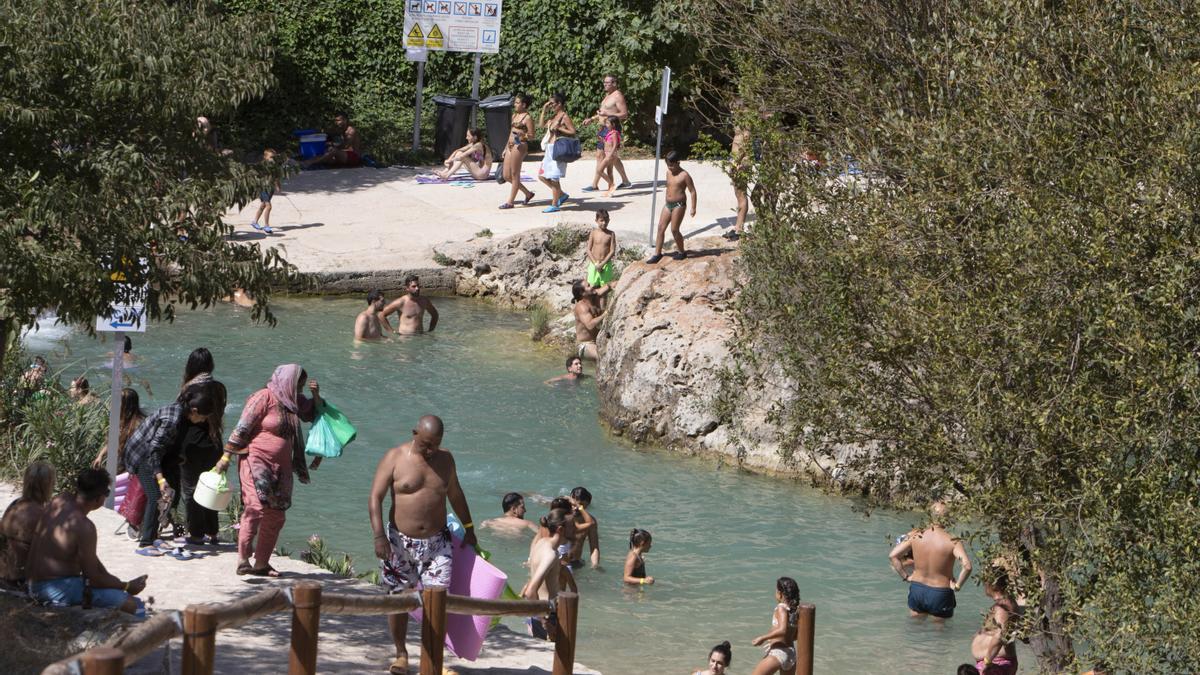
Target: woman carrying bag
268, 440
554, 169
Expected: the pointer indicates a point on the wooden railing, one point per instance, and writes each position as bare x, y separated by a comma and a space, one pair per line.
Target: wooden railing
199, 624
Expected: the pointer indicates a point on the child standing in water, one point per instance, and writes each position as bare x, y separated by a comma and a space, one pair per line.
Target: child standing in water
635, 564
781, 641
601, 247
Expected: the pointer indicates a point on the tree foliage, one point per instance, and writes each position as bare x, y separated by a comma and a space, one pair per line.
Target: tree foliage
332, 54
1003, 303
105, 186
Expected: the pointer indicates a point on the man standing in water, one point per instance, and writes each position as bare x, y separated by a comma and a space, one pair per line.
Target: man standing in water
588, 316
414, 549
675, 204
932, 584
411, 308
367, 326
612, 105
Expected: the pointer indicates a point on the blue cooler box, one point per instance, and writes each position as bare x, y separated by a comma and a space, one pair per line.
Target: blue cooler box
312, 145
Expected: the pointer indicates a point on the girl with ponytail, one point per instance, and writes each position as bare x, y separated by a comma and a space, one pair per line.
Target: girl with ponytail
635, 564
780, 642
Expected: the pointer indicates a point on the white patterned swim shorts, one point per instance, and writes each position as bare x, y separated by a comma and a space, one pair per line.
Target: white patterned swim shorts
416, 563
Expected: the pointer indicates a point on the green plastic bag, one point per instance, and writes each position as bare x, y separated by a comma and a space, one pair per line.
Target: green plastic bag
321, 441
343, 431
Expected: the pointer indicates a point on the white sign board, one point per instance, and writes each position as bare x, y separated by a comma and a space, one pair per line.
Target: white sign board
123, 319
453, 25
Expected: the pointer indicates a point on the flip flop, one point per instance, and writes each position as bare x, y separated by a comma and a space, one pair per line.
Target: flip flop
506, 205
181, 554
625, 185
267, 571
244, 568
590, 189
399, 666
551, 209
256, 226
148, 551
563, 200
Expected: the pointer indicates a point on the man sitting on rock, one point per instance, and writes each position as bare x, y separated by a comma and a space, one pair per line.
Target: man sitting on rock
587, 317
63, 567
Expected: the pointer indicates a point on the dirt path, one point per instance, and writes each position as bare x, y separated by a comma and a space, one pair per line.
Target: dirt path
348, 644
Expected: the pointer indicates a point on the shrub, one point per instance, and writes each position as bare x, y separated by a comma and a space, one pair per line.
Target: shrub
564, 240
539, 321
485, 233
443, 259
55, 429
337, 562
707, 149
629, 254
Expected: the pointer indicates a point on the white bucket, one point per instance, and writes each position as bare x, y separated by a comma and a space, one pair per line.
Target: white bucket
208, 496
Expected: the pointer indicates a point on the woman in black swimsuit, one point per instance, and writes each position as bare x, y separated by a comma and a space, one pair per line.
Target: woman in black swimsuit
635, 564
517, 148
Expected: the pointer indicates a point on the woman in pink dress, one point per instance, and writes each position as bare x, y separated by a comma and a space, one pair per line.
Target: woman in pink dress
268, 440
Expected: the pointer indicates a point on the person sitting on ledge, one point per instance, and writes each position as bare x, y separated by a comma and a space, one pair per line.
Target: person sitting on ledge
588, 316
574, 372
344, 147
62, 554
513, 521
21, 519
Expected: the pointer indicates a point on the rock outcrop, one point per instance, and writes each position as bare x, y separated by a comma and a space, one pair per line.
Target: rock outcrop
662, 348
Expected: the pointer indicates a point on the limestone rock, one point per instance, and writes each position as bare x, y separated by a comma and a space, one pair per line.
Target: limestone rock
662, 347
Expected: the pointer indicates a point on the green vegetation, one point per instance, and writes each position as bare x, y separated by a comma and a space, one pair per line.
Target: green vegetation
539, 321
485, 233
103, 165
707, 149
331, 54
629, 254
565, 239
337, 562
1004, 311
443, 259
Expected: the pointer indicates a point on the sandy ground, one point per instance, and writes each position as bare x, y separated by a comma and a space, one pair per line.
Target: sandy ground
365, 220
347, 644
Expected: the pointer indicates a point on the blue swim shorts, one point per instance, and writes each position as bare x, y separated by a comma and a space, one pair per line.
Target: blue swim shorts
937, 602
265, 196
68, 592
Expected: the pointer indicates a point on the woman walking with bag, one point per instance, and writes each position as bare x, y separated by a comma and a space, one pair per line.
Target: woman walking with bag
517, 148
267, 439
558, 126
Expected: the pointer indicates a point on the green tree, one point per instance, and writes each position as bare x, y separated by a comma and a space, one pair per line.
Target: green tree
105, 186
996, 297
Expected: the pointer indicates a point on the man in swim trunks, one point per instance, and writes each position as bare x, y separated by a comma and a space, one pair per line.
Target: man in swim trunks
678, 181
344, 147
63, 567
414, 548
513, 521
601, 247
367, 325
588, 315
411, 308
932, 584
611, 105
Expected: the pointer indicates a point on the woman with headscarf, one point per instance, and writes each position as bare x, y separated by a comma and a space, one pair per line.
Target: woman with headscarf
268, 441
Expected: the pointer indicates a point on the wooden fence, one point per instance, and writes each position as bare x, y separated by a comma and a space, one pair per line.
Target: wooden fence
199, 624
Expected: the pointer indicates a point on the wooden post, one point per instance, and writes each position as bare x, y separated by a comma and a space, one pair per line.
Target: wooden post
306, 615
103, 661
199, 640
433, 629
805, 633
564, 639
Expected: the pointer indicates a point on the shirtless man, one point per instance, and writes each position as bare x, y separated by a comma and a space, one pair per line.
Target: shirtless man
367, 326
411, 308
574, 372
343, 149
678, 180
545, 570
62, 554
587, 529
513, 521
587, 318
414, 549
932, 584
611, 105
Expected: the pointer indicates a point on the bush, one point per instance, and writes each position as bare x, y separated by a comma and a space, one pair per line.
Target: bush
55, 429
485, 233
539, 321
629, 254
707, 149
564, 240
443, 259
337, 562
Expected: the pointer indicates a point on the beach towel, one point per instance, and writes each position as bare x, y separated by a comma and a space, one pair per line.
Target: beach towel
461, 178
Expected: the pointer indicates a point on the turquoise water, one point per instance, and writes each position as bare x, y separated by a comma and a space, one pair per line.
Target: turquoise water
721, 536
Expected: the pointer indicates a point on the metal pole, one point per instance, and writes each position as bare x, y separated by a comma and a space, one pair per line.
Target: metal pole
654, 195
114, 410
417, 106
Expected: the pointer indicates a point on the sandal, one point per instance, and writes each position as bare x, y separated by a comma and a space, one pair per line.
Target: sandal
244, 568
529, 199
267, 571
506, 205
149, 551
399, 666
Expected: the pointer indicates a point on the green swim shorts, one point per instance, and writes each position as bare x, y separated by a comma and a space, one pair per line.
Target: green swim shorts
598, 277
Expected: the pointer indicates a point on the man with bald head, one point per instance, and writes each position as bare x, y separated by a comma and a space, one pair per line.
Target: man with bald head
414, 547
931, 585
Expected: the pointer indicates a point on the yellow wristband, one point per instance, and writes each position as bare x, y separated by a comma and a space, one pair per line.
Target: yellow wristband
468, 526
642, 582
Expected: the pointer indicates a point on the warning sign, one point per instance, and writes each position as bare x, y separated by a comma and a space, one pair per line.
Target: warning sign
453, 25
416, 38
435, 39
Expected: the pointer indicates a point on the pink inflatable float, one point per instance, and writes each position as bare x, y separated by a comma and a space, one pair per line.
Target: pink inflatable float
475, 577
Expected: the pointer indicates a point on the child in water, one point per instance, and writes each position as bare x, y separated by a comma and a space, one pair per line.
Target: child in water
780, 642
635, 564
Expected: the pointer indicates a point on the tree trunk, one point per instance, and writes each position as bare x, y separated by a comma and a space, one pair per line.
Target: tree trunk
1048, 639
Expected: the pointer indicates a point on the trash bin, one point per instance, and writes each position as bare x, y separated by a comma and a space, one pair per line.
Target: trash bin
453, 118
497, 117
